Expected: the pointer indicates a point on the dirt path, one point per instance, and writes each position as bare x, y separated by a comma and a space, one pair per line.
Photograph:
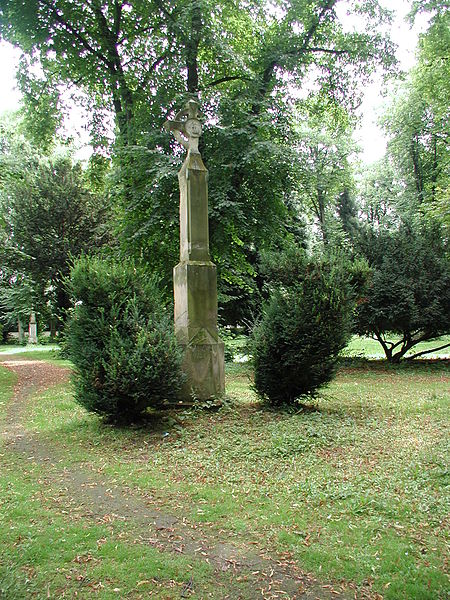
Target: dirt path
100, 500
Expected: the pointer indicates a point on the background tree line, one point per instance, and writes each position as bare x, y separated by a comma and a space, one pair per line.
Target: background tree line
280, 161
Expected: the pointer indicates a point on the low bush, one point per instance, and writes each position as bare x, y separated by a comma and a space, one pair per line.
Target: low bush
120, 338
305, 323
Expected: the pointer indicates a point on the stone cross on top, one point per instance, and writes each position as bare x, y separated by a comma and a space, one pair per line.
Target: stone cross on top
186, 127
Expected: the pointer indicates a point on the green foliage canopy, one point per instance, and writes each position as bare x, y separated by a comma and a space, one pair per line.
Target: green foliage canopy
140, 59
49, 216
417, 123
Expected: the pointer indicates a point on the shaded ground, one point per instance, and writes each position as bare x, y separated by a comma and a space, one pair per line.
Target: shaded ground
244, 572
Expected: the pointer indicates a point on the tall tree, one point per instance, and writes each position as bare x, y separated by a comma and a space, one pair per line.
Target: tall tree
408, 298
382, 195
48, 217
417, 121
142, 57
324, 148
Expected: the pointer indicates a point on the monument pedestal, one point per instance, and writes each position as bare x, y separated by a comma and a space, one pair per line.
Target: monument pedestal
195, 291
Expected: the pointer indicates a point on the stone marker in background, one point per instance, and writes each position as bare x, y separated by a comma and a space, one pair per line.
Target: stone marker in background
32, 329
195, 279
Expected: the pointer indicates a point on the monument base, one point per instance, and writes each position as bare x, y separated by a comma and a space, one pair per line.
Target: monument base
204, 368
195, 291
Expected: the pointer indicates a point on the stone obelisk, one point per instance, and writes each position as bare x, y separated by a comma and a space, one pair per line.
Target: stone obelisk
195, 278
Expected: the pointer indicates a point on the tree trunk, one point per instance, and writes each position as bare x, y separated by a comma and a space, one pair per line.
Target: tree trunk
20, 331
122, 96
192, 45
321, 214
418, 177
434, 172
53, 327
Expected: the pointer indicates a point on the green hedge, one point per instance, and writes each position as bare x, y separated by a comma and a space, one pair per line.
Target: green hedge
120, 338
306, 322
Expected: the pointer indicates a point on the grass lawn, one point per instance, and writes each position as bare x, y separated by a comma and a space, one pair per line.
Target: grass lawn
48, 550
368, 347
38, 352
353, 489
7, 381
31, 348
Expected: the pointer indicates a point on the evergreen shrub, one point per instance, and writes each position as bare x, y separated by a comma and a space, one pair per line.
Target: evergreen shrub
407, 300
120, 338
305, 323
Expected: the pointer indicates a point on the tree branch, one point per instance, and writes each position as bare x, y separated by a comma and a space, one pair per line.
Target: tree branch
117, 18
225, 79
152, 68
137, 32
303, 48
327, 51
71, 29
163, 9
395, 345
387, 351
428, 351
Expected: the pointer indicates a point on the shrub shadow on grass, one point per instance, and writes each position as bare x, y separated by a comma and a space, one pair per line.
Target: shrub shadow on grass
155, 422
288, 409
367, 364
173, 417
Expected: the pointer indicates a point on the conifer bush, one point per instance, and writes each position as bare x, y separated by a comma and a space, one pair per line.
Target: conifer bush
305, 323
120, 338
408, 296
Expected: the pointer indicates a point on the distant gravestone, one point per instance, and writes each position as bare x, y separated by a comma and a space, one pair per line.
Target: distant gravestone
32, 329
195, 279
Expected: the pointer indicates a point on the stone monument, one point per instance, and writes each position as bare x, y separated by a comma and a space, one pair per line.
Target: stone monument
32, 329
195, 279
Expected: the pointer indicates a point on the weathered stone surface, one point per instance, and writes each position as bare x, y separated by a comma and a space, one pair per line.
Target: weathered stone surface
195, 300
194, 236
203, 363
195, 279
195, 290
32, 330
